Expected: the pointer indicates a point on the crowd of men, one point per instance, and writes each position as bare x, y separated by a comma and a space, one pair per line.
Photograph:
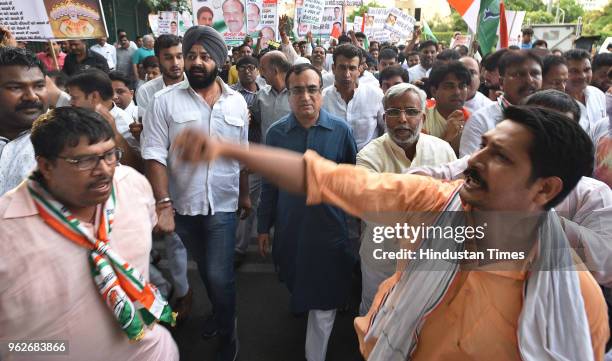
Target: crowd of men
340, 129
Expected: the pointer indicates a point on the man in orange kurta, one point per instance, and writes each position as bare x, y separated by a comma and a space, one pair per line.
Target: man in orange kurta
528, 163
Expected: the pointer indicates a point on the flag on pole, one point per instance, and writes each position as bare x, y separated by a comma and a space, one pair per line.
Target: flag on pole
468, 9
429, 35
487, 25
503, 26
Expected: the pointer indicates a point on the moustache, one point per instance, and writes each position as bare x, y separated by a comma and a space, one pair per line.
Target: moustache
97, 182
475, 176
29, 105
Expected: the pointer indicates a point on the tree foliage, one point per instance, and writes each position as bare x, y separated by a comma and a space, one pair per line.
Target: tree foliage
598, 22
539, 17
452, 23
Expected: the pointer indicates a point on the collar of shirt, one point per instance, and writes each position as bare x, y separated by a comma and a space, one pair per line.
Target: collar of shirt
503, 102
22, 204
323, 121
270, 90
239, 88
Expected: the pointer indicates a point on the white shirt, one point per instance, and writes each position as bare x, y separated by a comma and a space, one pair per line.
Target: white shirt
145, 94
108, 52
196, 189
63, 100
368, 78
364, 113
328, 79
417, 72
122, 122
16, 161
132, 110
587, 211
478, 102
595, 108
478, 124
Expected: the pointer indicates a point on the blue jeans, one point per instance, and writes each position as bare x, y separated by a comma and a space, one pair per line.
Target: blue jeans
211, 240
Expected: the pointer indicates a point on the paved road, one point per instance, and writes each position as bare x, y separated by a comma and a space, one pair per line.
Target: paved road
266, 328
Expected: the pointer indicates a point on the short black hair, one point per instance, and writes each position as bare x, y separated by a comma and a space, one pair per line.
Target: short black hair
412, 53
517, 58
150, 62
560, 147
59, 78
462, 50
92, 80
440, 70
204, 9
122, 77
242, 46
427, 44
392, 71
387, 53
299, 69
491, 61
10, 56
360, 35
577, 54
64, 127
601, 60
551, 61
348, 51
165, 41
448, 54
540, 42
342, 39
247, 60
120, 30
527, 31
555, 100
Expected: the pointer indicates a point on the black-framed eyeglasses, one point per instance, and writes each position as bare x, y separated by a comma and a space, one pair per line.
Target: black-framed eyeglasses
88, 162
250, 68
299, 90
396, 113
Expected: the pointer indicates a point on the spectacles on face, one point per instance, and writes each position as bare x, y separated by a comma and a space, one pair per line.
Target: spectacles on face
89, 162
396, 113
299, 90
249, 68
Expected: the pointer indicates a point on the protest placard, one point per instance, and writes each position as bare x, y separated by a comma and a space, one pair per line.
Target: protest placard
312, 12
262, 17
375, 24
41, 20
227, 17
399, 23
357, 22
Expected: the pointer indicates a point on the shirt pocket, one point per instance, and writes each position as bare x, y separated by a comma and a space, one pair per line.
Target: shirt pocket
230, 127
183, 120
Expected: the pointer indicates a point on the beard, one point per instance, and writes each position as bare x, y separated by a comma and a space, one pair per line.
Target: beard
202, 80
413, 138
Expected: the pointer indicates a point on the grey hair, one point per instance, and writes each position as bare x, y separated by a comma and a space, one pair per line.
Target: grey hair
399, 89
148, 37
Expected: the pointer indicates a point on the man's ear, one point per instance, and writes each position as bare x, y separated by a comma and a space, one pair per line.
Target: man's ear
45, 166
548, 189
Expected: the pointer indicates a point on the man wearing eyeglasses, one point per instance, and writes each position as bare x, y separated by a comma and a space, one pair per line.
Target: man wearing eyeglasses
311, 247
247, 86
49, 225
520, 75
400, 149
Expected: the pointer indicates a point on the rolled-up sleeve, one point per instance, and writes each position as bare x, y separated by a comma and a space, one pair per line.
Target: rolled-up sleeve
155, 135
366, 195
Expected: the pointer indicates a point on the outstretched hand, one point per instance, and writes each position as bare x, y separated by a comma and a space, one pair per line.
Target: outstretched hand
195, 146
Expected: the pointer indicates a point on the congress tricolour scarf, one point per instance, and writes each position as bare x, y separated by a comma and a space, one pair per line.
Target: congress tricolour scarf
122, 287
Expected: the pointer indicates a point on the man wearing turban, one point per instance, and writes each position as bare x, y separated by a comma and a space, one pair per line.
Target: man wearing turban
204, 198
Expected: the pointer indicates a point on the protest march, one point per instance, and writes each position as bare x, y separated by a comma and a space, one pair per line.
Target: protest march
288, 180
